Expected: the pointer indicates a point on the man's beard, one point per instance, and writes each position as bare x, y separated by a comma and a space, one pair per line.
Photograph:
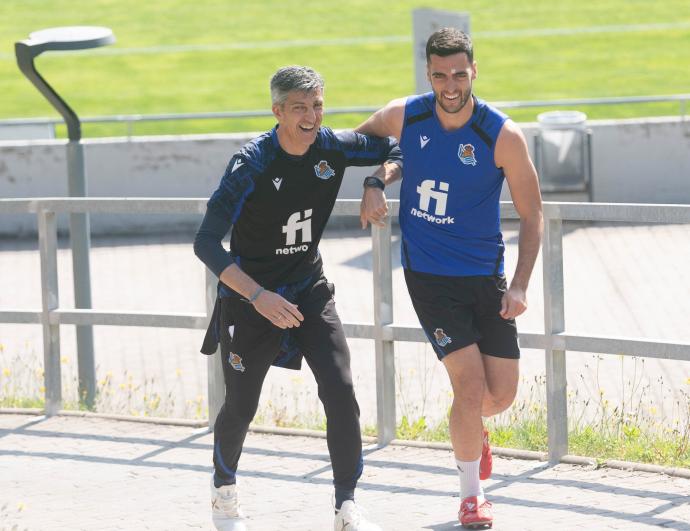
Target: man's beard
464, 98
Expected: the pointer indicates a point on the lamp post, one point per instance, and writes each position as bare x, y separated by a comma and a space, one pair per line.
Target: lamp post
65, 39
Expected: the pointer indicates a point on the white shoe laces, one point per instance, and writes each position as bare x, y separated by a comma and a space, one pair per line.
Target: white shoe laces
227, 502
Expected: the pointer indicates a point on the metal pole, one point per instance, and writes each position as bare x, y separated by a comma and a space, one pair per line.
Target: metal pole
47, 243
383, 315
216, 381
80, 242
554, 322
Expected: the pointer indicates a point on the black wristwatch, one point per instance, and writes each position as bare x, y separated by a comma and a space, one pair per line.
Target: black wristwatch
374, 182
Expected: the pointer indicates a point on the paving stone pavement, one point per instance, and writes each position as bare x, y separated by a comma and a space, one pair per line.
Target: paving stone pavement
73, 473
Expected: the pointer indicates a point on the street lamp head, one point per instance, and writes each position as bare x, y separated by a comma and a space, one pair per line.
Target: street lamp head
68, 38
59, 39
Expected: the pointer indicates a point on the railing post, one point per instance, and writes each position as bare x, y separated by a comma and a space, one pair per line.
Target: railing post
383, 315
80, 240
216, 382
47, 243
554, 322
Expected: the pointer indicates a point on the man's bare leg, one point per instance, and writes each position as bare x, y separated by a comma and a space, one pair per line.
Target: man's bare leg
501, 375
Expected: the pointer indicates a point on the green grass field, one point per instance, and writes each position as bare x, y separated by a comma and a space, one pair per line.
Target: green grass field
597, 49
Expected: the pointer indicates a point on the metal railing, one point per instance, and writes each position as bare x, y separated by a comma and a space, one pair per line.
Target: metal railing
130, 119
555, 341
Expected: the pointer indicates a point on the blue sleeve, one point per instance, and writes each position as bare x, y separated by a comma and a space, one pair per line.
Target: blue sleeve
365, 150
222, 211
237, 183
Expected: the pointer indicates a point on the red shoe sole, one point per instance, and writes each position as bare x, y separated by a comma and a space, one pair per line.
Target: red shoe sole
478, 525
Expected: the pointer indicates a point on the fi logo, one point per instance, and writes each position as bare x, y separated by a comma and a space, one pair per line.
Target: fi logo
427, 193
296, 223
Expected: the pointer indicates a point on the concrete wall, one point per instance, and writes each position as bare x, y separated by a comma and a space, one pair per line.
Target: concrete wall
635, 161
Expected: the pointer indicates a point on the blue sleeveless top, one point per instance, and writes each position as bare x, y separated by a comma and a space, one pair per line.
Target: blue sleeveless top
449, 197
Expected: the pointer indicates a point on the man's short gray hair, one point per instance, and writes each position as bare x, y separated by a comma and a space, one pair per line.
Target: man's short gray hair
289, 78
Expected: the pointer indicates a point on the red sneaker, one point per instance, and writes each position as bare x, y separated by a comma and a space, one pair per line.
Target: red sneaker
474, 516
487, 461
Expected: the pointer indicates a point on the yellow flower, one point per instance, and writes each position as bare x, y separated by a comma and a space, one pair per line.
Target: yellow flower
2, 347
687, 381
652, 410
63, 359
42, 389
20, 506
178, 371
6, 372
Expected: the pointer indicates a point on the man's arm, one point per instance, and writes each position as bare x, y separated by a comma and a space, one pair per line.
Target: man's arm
223, 209
272, 306
512, 155
387, 121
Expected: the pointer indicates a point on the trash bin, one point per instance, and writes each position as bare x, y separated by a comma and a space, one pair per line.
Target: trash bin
563, 152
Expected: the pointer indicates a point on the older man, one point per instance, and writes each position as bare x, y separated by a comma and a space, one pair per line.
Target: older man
277, 194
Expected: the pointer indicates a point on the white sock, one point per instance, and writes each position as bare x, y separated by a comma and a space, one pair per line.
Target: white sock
469, 480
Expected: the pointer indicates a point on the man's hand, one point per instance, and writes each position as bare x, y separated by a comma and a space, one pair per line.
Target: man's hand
513, 303
373, 208
279, 311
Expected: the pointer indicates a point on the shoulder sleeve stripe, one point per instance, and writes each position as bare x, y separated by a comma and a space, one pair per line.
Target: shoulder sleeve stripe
483, 135
234, 188
482, 116
329, 139
418, 118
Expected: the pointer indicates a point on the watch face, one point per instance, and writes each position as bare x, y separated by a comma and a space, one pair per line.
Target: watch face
373, 182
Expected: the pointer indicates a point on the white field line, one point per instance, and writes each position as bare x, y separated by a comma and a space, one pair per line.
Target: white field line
354, 41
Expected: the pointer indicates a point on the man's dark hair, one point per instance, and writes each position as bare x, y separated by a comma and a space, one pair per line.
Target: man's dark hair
449, 41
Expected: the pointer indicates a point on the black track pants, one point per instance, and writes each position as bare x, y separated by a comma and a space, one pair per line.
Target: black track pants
247, 355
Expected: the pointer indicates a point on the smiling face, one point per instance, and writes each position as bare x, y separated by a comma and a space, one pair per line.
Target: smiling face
451, 80
299, 117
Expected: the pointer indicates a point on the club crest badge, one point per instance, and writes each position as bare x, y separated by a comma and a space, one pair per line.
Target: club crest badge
466, 154
323, 170
236, 362
441, 338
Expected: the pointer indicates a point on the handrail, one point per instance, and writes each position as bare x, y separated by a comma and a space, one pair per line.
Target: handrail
384, 331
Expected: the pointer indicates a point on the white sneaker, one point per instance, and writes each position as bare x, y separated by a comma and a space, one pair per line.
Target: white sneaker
350, 518
225, 508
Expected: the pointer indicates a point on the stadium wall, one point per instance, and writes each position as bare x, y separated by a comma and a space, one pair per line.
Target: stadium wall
634, 161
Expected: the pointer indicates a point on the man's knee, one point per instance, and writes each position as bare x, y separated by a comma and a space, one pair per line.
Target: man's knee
502, 376
470, 392
467, 376
338, 396
240, 411
500, 400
